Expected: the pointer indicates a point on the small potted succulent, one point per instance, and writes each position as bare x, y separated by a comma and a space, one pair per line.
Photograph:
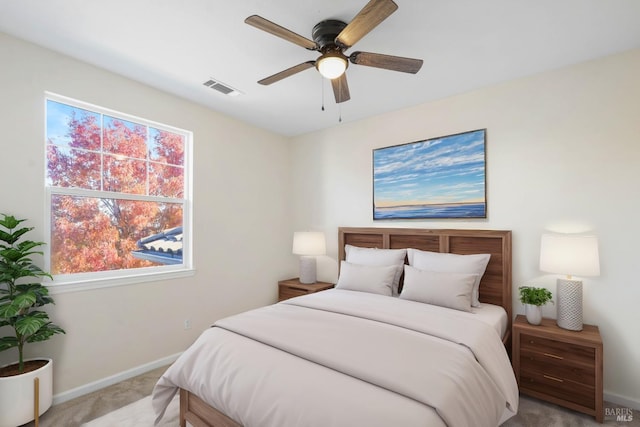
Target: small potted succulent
533, 300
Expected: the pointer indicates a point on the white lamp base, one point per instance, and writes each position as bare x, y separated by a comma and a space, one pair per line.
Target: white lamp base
569, 304
307, 269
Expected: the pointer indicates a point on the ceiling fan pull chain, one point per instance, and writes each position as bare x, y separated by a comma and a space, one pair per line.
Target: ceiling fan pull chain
322, 86
340, 105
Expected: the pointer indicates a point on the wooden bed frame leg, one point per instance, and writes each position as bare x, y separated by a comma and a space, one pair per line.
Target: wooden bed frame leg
183, 407
36, 401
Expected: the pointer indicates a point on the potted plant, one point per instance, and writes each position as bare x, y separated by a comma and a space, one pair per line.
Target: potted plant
21, 298
533, 300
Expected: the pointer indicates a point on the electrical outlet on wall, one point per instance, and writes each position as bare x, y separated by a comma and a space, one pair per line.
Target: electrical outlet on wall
187, 324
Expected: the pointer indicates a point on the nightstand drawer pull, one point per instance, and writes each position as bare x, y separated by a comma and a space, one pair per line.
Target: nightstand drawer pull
555, 356
549, 377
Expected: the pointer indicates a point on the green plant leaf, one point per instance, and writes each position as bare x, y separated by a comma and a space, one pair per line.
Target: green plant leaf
5, 277
4, 310
25, 300
16, 270
8, 311
41, 292
8, 342
11, 254
14, 235
10, 222
31, 323
26, 246
45, 332
16, 255
5, 237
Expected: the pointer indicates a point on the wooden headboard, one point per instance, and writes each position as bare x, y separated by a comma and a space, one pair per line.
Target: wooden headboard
495, 286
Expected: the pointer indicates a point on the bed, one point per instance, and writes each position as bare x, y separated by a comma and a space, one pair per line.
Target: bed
347, 357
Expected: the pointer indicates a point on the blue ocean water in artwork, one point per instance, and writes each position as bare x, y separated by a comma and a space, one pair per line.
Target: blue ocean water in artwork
471, 210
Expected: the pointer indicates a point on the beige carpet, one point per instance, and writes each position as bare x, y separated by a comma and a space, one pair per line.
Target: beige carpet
532, 413
138, 414
536, 413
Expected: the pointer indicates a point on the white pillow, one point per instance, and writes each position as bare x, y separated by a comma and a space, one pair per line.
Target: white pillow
452, 290
452, 263
373, 256
366, 278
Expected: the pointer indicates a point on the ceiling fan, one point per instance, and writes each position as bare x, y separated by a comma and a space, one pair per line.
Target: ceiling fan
332, 38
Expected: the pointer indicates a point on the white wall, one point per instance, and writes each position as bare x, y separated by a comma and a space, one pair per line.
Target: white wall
241, 216
563, 154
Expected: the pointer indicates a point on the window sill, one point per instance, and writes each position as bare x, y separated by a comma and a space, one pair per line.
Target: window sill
87, 285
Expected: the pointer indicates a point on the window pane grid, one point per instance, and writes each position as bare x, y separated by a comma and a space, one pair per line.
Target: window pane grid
113, 195
117, 190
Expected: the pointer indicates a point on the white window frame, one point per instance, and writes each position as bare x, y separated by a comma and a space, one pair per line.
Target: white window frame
101, 279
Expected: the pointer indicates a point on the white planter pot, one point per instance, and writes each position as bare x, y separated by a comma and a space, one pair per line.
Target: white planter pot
533, 313
17, 395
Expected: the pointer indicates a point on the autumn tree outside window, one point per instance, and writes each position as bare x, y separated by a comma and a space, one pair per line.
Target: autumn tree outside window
118, 193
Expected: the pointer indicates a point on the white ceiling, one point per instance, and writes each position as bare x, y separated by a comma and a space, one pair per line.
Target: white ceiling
465, 44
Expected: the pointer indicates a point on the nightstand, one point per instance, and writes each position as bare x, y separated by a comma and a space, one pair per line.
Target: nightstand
293, 288
559, 366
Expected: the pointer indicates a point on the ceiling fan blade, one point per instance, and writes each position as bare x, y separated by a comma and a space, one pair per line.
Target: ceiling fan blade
366, 20
287, 73
341, 88
275, 29
389, 62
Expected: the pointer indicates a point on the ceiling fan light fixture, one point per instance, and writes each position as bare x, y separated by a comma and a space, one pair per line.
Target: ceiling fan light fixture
332, 65
331, 38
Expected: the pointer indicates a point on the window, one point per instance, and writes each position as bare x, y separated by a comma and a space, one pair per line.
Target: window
118, 194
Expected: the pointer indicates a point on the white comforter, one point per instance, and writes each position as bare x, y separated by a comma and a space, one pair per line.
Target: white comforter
345, 358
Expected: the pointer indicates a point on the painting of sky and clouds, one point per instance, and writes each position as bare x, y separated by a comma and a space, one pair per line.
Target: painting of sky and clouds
436, 178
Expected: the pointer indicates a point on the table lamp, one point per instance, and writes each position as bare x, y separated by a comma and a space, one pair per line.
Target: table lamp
308, 244
569, 254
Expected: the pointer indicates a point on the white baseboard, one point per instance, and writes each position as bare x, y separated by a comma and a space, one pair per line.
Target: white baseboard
622, 400
114, 379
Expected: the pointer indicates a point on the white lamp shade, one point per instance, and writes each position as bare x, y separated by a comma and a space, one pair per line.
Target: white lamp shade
309, 243
332, 67
569, 254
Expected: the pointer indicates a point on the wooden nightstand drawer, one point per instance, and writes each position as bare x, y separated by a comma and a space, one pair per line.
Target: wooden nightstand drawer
286, 293
561, 351
560, 388
291, 288
547, 363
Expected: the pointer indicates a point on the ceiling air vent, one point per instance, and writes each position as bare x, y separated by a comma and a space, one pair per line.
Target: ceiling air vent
221, 87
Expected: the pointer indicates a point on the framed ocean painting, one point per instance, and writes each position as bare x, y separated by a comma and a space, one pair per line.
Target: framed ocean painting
442, 177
